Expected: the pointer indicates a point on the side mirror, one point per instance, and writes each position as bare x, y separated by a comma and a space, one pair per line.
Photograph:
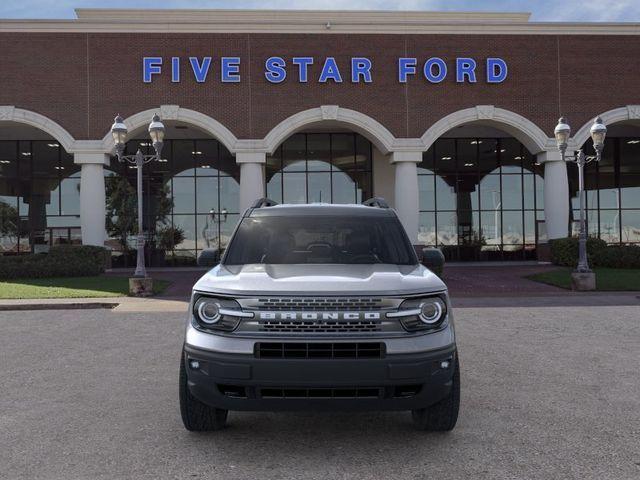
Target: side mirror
433, 259
209, 257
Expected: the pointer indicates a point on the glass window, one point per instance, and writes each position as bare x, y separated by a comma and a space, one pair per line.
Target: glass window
427, 228
319, 152
630, 226
445, 194
320, 239
294, 153
426, 187
320, 187
183, 154
343, 151
512, 192
294, 188
206, 194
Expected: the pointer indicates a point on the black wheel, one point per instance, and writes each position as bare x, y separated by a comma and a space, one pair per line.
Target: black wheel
197, 416
442, 416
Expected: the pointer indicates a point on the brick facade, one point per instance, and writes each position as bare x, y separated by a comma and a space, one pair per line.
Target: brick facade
80, 80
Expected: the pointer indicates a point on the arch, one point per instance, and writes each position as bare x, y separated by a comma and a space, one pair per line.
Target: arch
9, 113
527, 132
382, 138
177, 113
621, 114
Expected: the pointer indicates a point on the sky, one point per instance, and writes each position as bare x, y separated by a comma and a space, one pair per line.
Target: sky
542, 10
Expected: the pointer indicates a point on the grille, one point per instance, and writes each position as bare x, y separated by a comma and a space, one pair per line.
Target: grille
320, 304
367, 392
320, 326
319, 350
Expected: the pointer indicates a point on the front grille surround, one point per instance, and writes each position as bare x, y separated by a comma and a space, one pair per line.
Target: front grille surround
318, 304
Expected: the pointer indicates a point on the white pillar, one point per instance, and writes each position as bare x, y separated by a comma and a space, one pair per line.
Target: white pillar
556, 194
251, 177
92, 197
406, 191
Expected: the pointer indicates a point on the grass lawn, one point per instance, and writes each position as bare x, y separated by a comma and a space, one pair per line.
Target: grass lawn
71, 287
607, 279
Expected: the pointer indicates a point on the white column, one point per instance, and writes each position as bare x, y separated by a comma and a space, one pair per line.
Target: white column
251, 177
556, 194
406, 191
92, 197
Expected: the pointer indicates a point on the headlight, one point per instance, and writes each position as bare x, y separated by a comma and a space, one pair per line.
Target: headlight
217, 313
421, 313
208, 310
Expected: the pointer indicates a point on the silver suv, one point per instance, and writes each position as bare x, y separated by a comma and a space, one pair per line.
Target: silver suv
321, 307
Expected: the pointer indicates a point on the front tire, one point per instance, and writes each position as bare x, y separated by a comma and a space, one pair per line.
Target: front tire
442, 416
197, 416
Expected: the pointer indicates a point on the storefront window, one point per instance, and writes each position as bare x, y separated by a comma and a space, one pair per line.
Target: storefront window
320, 167
191, 201
39, 196
479, 198
612, 189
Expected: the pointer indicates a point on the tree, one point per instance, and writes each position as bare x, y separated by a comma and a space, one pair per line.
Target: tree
122, 208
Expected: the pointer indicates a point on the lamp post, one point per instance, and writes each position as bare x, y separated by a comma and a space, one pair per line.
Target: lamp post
583, 278
156, 132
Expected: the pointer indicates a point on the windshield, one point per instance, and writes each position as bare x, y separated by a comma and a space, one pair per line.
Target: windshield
320, 239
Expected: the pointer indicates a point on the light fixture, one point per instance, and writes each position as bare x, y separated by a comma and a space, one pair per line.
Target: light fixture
517, 158
25, 154
502, 150
205, 166
598, 133
156, 132
468, 164
562, 133
58, 168
632, 142
447, 158
476, 142
5, 161
196, 152
119, 133
53, 145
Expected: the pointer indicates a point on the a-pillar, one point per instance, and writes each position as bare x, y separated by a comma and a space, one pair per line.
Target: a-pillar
92, 196
406, 191
251, 177
556, 194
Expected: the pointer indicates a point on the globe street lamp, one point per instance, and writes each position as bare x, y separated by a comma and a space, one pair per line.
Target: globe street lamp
119, 133
583, 277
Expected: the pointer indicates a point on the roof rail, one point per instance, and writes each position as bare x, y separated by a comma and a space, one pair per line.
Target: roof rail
377, 202
263, 202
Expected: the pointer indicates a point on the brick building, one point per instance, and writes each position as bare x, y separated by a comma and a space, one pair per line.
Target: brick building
449, 116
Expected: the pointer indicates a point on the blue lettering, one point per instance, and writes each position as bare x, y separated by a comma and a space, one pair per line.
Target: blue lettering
175, 69
330, 71
230, 69
465, 67
275, 69
428, 70
200, 71
150, 66
406, 66
496, 70
303, 66
360, 67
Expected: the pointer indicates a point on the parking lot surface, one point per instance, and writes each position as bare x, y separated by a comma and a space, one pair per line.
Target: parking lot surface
546, 393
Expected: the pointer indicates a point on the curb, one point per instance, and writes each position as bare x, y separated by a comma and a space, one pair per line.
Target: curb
58, 306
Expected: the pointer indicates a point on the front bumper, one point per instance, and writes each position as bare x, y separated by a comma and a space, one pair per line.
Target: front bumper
395, 382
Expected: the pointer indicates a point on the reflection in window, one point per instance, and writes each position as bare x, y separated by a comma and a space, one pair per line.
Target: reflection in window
193, 191
320, 167
480, 198
612, 189
39, 196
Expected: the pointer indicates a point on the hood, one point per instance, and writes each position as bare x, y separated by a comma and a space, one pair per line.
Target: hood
320, 279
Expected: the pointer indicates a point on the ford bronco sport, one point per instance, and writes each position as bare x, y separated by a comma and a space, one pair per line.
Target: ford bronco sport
321, 307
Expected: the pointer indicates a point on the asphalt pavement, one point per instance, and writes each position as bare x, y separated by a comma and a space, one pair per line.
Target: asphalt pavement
547, 392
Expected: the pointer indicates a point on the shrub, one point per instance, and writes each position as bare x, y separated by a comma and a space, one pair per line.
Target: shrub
618, 256
61, 261
564, 251
433, 259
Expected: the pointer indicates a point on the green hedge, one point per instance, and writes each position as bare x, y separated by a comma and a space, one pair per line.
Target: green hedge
61, 261
618, 256
565, 252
